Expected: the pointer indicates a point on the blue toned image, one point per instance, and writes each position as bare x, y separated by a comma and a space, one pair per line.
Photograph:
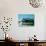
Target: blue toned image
26, 19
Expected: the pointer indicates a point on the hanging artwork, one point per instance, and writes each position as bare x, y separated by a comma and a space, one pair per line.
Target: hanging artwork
26, 19
35, 3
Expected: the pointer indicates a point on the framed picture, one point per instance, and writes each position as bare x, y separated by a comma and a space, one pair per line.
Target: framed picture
26, 19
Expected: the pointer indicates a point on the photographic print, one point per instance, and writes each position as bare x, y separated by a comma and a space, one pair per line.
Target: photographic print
26, 19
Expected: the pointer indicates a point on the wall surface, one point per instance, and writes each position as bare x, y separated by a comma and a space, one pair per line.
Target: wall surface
10, 8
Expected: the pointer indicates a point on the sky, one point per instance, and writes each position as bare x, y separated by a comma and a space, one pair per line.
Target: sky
21, 16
